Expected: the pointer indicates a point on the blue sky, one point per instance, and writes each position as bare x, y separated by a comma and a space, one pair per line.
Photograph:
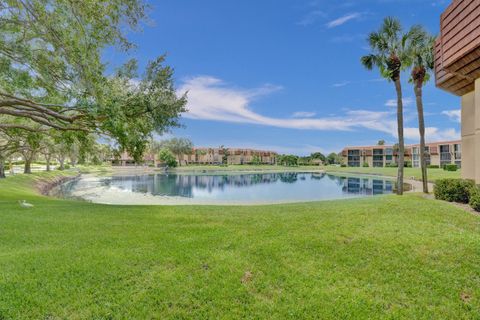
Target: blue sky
285, 75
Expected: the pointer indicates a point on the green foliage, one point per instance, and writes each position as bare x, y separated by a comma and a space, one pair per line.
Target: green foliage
52, 75
167, 157
391, 165
453, 190
433, 166
365, 165
287, 160
381, 142
319, 156
256, 160
450, 167
343, 165
225, 153
474, 200
407, 164
333, 158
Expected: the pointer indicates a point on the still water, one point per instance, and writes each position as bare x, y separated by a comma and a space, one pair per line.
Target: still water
221, 188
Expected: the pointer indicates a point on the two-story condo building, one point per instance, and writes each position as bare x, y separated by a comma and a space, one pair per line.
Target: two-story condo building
206, 156
457, 70
438, 153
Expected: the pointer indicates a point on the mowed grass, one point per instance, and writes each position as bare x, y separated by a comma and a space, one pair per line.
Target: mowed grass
433, 174
387, 257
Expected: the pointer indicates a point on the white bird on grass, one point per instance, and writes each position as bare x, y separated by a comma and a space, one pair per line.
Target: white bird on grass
25, 204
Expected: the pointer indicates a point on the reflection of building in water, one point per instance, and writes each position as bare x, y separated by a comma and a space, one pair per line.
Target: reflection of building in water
366, 186
183, 185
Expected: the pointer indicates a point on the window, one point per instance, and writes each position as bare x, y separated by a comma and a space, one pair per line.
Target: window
388, 155
445, 156
354, 158
378, 157
458, 151
416, 157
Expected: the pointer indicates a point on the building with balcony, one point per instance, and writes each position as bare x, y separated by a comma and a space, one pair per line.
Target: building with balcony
204, 156
234, 156
457, 70
438, 154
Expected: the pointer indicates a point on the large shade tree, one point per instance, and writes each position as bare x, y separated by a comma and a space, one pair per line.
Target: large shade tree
422, 55
52, 75
390, 54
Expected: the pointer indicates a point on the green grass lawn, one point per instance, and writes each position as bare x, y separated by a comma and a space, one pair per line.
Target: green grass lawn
380, 258
245, 167
433, 174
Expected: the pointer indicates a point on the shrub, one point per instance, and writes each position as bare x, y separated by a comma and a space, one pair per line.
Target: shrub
391, 165
343, 165
66, 166
365, 165
450, 167
433, 166
407, 164
453, 190
475, 198
167, 157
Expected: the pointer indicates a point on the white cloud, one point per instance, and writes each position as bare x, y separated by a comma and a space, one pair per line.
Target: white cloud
393, 102
344, 19
341, 84
454, 115
311, 18
210, 98
432, 134
304, 114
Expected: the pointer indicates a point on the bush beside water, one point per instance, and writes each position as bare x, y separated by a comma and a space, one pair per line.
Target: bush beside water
458, 190
450, 167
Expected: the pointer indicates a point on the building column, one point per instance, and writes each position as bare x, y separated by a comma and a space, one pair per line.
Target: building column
471, 134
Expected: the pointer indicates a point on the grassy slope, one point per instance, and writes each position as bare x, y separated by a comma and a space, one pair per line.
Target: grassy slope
245, 167
387, 257
434, 174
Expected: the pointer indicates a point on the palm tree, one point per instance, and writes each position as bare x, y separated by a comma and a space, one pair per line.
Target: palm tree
423, 63
390, 55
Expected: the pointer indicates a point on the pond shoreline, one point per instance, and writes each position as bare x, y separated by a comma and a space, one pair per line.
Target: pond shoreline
44, 186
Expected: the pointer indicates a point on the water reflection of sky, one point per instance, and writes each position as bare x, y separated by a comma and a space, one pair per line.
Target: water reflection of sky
261, 187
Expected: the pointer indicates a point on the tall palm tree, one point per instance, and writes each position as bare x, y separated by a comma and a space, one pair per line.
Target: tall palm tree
390, 54
423, 63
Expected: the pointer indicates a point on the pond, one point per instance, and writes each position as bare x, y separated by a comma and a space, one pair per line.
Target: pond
240, 188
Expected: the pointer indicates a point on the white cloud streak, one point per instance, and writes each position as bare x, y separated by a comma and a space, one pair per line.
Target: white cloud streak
393, 102
210, 98
344, 19
304, 114
454, 115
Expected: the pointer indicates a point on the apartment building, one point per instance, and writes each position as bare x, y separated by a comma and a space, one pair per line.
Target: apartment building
205, 156
438, 153
457, 70
234, 156
125, 160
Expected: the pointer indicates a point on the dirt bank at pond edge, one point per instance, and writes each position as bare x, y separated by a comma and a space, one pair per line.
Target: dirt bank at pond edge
46, 184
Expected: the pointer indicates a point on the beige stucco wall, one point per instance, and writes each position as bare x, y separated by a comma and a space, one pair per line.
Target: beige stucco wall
471, 134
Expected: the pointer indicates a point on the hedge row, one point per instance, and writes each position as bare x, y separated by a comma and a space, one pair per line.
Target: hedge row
458, 190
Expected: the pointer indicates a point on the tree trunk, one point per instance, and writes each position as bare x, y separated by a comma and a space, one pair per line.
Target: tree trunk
10, 164
28, 167
421, 129
2, 169
401, 141
62, 164
47, 159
